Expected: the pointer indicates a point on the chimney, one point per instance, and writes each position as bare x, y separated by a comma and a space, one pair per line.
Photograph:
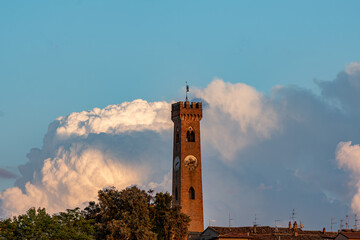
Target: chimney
295, 226
254, 228
324, 230
289, 224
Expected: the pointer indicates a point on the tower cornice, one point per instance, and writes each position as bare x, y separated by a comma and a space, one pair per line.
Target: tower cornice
189, 111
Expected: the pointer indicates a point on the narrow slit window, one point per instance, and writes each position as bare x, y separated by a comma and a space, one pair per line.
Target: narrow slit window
191, 193
177, 137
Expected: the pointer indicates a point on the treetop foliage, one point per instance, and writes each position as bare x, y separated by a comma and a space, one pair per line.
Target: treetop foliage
127, 214
37, 224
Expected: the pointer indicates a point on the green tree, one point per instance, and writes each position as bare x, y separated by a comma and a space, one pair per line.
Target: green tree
121, 214
168, 221
72, 225
8, 229
128, 214
37, 224
135, 214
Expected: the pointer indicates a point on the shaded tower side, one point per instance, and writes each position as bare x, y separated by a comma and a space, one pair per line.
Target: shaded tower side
187, 179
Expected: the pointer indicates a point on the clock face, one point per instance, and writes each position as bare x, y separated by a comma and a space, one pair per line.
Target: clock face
190, 162
177, 163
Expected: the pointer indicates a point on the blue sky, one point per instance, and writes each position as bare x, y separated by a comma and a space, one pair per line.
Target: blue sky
59, 57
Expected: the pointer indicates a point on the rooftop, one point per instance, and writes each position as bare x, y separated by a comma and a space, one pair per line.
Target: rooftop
270, 233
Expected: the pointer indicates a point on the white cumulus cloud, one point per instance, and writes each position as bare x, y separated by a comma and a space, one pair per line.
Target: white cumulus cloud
138, 115
128, 144
348, 157
353, 68
237, 116
69, 179
277, 151
87, 151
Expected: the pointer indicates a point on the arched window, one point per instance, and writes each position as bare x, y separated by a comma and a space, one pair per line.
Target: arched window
191, 193
190, 135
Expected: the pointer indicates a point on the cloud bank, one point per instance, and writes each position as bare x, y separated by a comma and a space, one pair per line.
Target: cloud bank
138, 115
237, 117
348, 157
87, 151
261, 154
5, 174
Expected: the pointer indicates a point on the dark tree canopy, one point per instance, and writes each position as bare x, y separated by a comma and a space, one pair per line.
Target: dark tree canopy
37, 224
136, 214
121, 214
128, 214
169, 222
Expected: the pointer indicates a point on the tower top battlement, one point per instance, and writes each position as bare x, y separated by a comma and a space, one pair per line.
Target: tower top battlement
190, 109
187, 104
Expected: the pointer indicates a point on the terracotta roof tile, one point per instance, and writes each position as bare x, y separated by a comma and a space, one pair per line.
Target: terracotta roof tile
235, 235
355, 235
271, 233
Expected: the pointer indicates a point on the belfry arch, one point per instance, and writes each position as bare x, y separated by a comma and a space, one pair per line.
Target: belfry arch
190, 135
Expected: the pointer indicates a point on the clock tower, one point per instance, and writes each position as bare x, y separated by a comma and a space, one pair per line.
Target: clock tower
187, 181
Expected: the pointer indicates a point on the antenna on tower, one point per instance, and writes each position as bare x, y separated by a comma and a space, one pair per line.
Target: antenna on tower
187, 90
341, 224
293, 215
356, 222
347, 221
255, 218
230, 220
332, 223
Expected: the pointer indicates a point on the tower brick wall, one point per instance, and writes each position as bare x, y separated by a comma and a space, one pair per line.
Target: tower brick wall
187, 162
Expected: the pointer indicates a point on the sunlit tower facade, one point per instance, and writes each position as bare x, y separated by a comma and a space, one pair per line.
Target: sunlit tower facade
187, 179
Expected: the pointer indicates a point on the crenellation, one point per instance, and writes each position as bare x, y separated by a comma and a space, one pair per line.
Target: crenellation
186, 105
186, 111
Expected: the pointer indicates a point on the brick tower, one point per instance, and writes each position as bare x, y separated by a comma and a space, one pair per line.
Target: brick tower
187, 182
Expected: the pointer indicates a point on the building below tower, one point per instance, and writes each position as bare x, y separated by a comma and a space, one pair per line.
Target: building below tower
266, 233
